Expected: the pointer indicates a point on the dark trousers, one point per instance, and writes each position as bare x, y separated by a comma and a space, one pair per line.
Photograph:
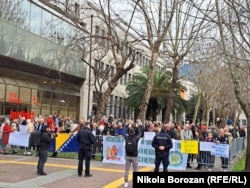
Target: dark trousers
43, 156
189, 159
95, 149
161, 157
224, 162
209, 159
84, 153
200, 157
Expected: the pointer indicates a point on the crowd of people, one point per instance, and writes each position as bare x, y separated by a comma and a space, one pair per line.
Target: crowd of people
108, 126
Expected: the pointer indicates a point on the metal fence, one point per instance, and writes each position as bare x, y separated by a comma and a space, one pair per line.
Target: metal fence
205, 160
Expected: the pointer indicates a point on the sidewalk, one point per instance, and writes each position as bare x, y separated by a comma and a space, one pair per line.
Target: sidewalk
18, 171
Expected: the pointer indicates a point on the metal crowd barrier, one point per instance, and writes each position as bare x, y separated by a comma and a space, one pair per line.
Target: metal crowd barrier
203, 159
206, 160
98, 146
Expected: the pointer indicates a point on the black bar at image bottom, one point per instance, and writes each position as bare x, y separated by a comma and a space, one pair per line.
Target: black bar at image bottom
204, 179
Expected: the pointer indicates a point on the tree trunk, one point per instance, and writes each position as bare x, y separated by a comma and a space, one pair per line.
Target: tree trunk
245, 107
171, 96
196, 109
214, 116
203, 117
208, 116
144, 103
103, 100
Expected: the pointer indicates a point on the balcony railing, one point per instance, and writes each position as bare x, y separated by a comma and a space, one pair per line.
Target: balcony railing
26, 46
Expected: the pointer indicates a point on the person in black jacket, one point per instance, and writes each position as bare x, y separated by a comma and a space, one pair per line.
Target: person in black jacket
131, 158
162, 143
43, 148
223, 139
97, 133
85, 139
170, 131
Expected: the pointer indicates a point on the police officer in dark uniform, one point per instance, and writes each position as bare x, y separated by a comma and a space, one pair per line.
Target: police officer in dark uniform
162, 143
43, 148
86, 139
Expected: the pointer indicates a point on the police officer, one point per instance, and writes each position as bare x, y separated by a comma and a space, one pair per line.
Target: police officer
43, 148
162, 143
86, 139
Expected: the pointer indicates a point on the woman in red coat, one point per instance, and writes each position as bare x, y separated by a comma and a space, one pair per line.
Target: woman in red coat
6, 133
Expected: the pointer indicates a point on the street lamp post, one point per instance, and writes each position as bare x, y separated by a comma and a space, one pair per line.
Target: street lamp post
90, 62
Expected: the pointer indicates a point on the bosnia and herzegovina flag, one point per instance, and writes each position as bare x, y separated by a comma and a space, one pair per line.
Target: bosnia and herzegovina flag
64, 142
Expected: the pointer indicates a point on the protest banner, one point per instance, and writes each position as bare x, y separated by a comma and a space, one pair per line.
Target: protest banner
113, 150
146, 155
19, 139
189, 146
221, 150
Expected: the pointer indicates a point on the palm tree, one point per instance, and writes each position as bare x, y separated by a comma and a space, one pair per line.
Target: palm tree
159, 94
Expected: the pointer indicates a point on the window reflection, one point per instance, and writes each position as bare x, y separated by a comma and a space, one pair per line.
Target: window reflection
46, 25
2, 93
25, 14
35, 22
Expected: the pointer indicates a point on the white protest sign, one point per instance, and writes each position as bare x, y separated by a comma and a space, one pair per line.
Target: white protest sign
19, 139
149, 135
221, 150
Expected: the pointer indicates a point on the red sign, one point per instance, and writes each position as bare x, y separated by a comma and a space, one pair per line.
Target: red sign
27, 115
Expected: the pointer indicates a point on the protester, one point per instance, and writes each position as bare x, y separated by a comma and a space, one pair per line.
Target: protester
223, 139
6, 134
85, 139
187, 134
200, 138
209, 159
131, 149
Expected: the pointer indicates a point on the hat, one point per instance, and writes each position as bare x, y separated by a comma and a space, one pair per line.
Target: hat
131, 131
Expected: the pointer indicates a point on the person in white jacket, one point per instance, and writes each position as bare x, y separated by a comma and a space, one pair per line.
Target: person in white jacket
29, 129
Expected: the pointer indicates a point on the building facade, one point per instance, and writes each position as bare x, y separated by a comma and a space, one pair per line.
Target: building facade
40, 73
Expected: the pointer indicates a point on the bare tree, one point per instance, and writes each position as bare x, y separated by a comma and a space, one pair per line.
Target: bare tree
157, 17
232, 16
104, 39
186, 29
115, 46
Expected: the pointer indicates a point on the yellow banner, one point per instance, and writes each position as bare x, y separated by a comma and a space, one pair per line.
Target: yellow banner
189, 146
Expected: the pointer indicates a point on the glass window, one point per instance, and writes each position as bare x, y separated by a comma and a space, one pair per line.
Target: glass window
25, 95
65, 98
45, 111
73, 114
2, 92
12, 94
63, 111
125, 79
129, 77
46, 98
35, 19
73, 101
25, 11
47, 24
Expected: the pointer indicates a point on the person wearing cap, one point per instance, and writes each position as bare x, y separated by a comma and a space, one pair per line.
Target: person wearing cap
43, 148
85, 139
162, 143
